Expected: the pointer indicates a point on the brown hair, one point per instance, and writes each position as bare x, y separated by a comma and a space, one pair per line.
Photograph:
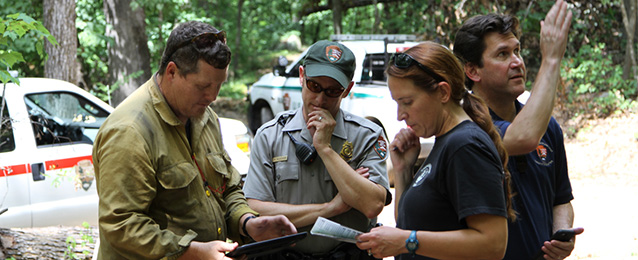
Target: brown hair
443, 62
186, 57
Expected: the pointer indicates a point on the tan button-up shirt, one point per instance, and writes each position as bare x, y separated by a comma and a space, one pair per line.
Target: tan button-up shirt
153, 200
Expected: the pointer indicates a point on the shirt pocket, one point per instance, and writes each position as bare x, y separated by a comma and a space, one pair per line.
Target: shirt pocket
220, 162
286, 179
178, 176
176, 185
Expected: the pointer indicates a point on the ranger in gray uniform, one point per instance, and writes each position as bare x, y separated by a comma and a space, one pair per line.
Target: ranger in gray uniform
284, 178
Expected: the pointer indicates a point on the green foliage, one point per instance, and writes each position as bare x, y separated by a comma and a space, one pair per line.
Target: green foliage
72, 243
235, 89
103, 91
264, 23
595, 84
92, 43
29, 43
12, 28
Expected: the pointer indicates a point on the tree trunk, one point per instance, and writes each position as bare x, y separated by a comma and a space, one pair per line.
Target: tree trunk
47, 243
129, 55
629, 10
237, 50
337, 15
59, 19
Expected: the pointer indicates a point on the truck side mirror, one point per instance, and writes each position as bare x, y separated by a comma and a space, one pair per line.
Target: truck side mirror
280, 68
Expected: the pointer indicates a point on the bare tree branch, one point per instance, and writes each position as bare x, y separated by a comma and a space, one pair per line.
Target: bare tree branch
346, 5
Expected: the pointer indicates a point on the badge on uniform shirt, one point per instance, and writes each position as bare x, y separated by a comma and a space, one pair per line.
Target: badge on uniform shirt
346, 151
381, 147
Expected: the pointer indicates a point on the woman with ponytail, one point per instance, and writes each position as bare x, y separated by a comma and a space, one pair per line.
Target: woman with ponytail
456, 206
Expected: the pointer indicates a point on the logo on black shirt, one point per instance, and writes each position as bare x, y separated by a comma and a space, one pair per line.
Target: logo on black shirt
424, 172
545, 154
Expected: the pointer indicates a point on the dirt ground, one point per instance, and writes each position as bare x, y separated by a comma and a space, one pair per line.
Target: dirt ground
603, 165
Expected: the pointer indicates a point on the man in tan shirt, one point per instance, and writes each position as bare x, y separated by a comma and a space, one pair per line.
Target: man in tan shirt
166, 185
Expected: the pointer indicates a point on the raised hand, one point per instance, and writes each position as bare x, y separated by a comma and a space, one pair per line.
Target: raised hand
555, 31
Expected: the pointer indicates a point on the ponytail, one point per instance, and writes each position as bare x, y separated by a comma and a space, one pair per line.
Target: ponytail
476, 108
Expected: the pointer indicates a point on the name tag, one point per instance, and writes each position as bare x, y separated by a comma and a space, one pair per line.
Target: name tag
280, 158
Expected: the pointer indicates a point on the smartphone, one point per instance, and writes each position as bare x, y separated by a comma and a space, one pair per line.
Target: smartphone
563, 235
560, 235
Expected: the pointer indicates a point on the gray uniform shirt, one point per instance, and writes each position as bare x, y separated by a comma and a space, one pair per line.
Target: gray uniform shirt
277, 175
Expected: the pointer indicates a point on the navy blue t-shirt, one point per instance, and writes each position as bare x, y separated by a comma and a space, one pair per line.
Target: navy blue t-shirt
462, 176
540, 182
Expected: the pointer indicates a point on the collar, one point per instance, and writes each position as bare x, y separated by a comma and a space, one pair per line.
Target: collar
495, 117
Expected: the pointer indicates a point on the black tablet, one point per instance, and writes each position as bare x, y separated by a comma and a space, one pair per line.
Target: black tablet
267, 246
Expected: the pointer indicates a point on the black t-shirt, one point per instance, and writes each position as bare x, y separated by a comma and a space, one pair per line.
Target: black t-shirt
463, 176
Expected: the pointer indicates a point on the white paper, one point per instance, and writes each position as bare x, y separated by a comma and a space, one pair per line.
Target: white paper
328, 228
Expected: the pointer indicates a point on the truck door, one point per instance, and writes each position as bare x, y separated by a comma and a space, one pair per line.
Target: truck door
14, 177
64, 127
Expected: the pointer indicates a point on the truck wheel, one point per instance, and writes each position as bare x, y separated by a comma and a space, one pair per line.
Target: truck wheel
260, 113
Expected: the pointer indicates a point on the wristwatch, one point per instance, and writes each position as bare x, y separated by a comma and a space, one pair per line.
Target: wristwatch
412, 244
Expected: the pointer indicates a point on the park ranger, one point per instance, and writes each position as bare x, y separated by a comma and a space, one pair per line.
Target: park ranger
347, 182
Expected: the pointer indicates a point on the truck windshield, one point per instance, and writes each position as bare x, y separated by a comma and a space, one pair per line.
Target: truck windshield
61, 117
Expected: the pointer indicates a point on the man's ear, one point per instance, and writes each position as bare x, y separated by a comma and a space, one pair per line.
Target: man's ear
472, 71
302, 75
171, 70
347, 90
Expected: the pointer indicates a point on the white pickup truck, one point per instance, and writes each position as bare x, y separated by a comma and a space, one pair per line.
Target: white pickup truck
370, 96
46, 141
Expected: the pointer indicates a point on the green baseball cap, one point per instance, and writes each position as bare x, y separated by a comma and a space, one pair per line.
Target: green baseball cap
330, 59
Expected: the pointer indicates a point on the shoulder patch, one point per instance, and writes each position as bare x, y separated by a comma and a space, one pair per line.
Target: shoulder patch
381, 147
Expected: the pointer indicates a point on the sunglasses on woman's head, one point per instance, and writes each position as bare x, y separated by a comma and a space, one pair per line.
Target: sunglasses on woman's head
403, 61
201, 41
330, 92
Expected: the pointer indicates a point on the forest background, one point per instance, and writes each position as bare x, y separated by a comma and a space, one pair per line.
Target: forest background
103, 50
110, 47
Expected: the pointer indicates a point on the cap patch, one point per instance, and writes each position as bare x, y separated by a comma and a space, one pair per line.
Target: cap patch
333, 53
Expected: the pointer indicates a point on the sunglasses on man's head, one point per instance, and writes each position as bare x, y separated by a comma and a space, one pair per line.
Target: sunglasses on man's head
403, 61
316, 88
201, 41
